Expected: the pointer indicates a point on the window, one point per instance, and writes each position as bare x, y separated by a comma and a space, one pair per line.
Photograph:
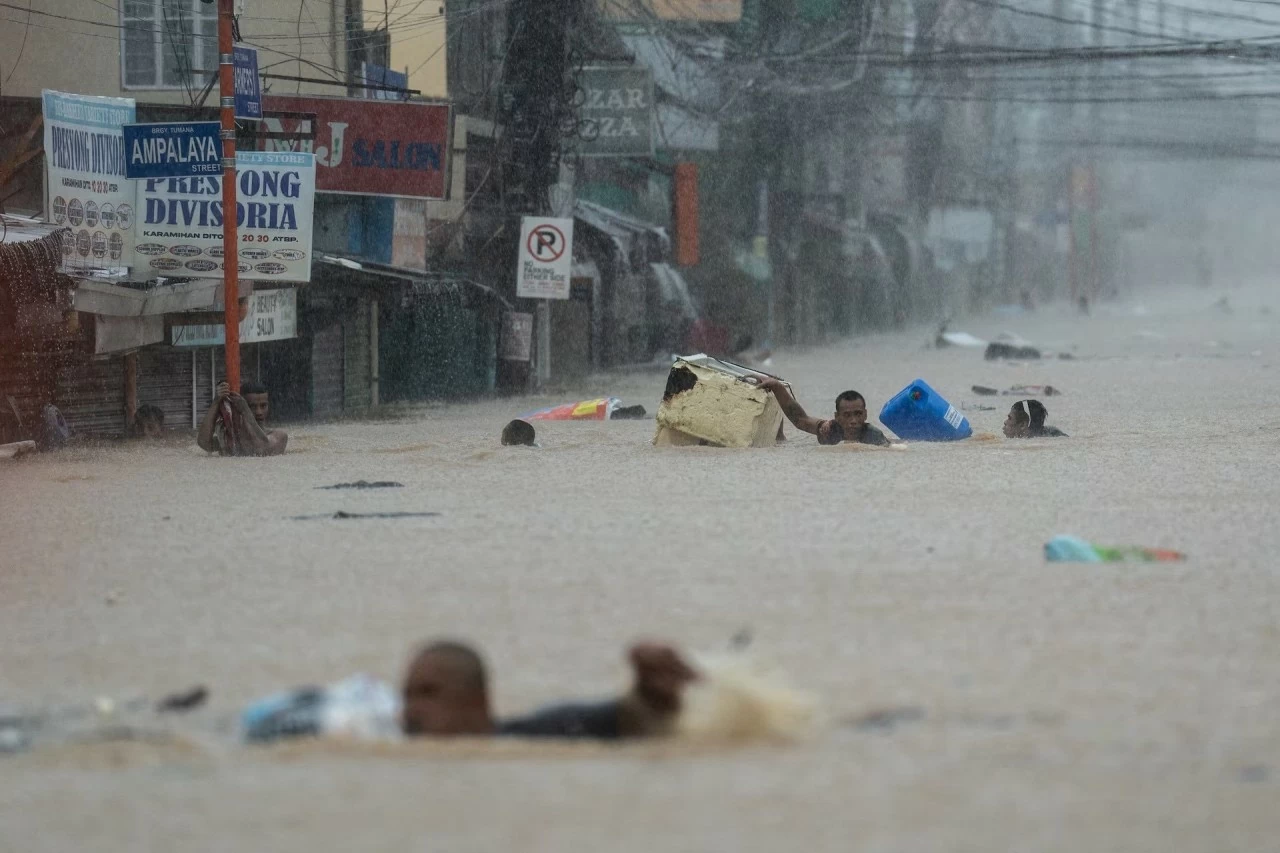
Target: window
168, 44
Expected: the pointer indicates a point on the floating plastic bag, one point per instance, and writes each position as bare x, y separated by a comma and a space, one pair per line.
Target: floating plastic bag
600, 409
1072, 549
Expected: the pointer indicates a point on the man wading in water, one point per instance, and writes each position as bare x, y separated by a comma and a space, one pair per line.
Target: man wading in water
246, 435
849, 424
446, 693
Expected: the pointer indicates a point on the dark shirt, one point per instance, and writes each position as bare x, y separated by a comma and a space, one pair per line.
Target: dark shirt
600, 720
1045, 432
869, 435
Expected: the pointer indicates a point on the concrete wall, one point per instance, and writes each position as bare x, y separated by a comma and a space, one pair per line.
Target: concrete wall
83, 54
418, 43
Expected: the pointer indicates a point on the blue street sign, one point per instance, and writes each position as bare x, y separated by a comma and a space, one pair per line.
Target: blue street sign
248, 83
178, 150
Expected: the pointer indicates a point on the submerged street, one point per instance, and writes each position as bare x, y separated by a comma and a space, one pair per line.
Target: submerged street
1030, 705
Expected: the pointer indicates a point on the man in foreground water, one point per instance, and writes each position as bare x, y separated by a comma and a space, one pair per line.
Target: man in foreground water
446, 693
849, 424
247, 434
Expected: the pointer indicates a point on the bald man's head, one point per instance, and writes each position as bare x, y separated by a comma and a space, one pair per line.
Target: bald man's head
446, 692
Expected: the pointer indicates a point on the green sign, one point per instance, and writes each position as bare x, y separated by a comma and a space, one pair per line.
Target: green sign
615, 118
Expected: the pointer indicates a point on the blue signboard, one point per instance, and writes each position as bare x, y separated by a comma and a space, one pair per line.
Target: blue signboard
172, 150
380, 76
248, 84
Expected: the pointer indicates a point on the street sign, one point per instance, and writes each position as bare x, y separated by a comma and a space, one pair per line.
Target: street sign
546, 258
248, 83
167, 150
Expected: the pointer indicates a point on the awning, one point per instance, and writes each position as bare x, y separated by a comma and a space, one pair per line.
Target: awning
674, 290
116, 300
340, 269
637, 241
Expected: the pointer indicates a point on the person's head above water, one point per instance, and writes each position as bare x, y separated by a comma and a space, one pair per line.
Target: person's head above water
259, 401
1026, 418
1018, 421
1038, 413
446, 692
518, 432
851, 412
149, 421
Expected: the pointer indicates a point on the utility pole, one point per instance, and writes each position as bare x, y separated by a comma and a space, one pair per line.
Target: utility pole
1095, 138
230, 255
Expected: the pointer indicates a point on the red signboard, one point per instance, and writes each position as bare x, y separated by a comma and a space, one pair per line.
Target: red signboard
367, 147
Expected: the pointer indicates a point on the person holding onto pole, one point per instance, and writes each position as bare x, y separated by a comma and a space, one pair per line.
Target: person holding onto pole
235, 424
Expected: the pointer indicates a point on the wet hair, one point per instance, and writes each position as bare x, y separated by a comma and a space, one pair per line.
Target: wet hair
149, 413
1038, 413
252, 388
518, 432
852, 396
466, 661
1019, 412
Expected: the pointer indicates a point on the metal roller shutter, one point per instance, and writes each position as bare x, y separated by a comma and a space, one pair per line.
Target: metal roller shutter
164, 380
356, 356
91, 396
327, 367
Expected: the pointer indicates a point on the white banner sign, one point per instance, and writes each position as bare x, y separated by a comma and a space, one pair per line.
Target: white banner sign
180, 220
84, 176
273, 316
546, 258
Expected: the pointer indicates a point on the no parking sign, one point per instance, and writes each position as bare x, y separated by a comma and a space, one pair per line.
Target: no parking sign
546, 258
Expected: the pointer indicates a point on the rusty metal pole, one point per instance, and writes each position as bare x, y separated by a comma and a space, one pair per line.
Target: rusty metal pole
230, 256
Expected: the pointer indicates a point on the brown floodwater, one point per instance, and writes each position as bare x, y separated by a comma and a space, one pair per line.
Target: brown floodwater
1036, 706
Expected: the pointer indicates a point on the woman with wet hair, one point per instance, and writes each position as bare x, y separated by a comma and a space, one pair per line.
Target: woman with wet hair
1027, 420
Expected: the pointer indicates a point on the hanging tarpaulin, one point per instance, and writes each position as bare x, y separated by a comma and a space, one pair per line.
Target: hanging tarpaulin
180, 220
86, 189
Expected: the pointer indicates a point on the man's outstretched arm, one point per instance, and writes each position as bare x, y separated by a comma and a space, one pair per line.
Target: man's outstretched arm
792, 409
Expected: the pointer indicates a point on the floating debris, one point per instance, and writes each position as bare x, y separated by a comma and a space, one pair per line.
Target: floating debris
185, 701
888, 719
365, 484
343, 514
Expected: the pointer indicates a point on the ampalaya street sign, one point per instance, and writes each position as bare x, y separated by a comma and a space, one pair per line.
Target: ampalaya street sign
172, 150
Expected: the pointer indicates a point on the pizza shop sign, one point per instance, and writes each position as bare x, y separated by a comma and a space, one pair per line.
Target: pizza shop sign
616, 116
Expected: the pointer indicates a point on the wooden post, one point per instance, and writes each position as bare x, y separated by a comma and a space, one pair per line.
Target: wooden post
130, 389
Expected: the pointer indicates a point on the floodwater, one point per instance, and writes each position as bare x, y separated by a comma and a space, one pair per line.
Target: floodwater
1042, 706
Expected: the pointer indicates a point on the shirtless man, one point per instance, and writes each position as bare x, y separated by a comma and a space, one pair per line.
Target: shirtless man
249, 409
849, 424
446, 693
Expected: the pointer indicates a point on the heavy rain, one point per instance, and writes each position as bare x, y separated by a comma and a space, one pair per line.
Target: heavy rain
654, 424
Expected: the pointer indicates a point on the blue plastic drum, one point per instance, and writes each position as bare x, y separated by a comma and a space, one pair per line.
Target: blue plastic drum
920, 413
